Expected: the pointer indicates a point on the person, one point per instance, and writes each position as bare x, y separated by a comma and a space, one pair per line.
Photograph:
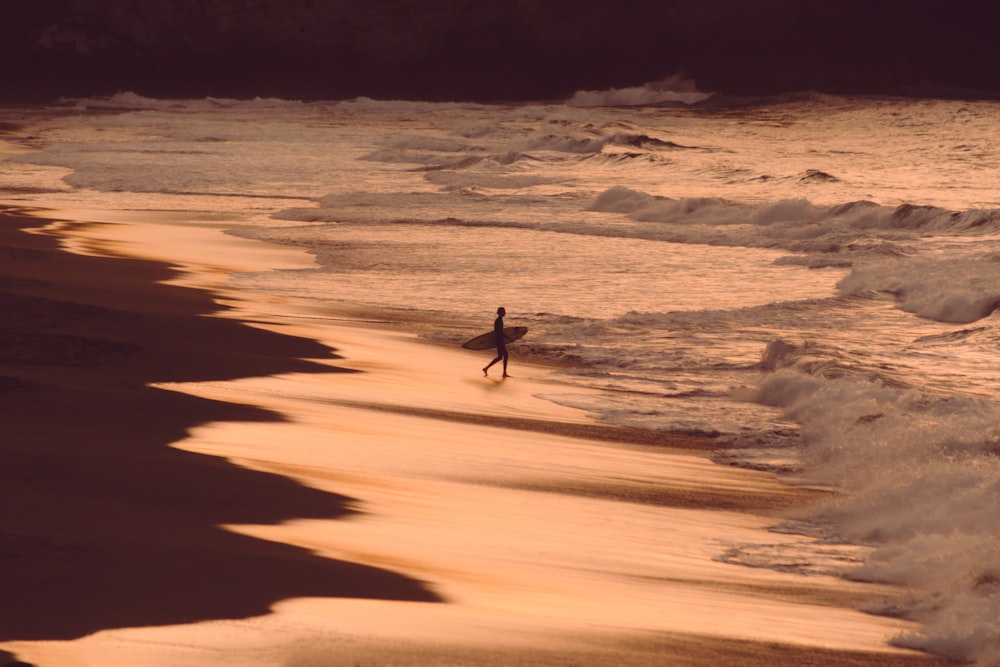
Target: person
501, 341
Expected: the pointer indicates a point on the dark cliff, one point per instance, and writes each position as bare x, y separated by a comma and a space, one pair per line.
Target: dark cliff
476, 49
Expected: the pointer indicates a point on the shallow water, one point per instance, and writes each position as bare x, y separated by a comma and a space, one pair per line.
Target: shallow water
814, 278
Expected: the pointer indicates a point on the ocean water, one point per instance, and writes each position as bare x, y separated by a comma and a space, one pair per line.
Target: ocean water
813, 279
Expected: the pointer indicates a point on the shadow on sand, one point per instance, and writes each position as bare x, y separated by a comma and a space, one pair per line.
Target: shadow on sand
104, 525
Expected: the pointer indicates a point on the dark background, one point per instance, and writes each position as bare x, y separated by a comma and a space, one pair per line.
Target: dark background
491, 50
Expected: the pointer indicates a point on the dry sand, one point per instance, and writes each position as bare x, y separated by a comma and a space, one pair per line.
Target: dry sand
197, 476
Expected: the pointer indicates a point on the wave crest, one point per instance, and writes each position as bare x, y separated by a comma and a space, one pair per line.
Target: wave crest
918, 481
671, 90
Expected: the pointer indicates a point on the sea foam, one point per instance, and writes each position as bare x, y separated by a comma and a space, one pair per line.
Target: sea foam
673, 89
944, 289
917, 479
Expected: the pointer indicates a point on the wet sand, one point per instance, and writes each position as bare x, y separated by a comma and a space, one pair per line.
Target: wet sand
199, 476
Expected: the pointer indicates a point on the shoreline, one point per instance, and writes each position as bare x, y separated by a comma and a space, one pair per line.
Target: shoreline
145, 407
112, 527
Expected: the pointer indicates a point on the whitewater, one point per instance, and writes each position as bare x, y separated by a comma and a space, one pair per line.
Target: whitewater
811, 279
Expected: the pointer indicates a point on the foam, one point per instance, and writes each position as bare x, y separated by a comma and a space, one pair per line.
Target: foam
918, 475
673, 89
957, 290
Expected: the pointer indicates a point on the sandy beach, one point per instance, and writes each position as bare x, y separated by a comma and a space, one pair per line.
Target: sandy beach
198, 476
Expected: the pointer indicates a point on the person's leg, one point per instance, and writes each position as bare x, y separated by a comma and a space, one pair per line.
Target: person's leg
501, 354
490, 364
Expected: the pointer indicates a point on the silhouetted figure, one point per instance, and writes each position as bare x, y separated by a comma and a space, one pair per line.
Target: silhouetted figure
501, 341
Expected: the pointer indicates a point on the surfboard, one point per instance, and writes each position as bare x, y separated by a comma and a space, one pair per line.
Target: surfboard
487, 340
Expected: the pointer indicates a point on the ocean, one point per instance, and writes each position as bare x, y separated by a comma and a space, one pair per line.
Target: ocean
811, 279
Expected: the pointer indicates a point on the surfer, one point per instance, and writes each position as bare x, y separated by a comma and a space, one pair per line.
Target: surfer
501, 342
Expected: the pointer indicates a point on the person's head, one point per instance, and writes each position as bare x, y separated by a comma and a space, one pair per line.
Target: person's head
501, 312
